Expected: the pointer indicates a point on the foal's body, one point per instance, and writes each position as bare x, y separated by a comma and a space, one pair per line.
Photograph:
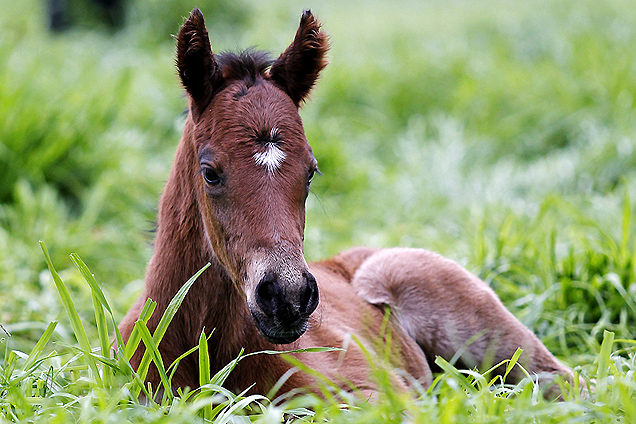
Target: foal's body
235, 198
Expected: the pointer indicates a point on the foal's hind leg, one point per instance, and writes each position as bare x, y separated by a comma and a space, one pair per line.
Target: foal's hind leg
450, 312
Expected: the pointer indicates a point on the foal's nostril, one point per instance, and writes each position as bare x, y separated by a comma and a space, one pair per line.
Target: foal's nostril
268, 294
309, 297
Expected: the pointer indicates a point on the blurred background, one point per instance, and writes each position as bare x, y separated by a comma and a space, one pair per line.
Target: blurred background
499, 133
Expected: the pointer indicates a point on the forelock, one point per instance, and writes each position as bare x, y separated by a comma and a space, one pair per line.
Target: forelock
248, 65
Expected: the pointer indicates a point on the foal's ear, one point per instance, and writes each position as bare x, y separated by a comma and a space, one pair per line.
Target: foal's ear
296, 69
198, 69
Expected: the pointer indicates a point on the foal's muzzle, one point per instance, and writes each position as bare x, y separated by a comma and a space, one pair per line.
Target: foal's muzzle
284, 308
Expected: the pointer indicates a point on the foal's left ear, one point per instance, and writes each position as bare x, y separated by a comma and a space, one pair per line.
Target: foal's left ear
198, 69
296, 69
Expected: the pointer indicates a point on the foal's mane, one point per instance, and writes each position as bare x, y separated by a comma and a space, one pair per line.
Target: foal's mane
247, 65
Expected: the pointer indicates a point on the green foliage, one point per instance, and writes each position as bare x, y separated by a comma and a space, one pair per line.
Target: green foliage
500, 135
156, 21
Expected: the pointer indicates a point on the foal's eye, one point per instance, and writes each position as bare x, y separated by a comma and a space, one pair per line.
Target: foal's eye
211, 176
311, 174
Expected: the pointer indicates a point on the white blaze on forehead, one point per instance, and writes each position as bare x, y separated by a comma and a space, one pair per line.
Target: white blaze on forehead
272, 158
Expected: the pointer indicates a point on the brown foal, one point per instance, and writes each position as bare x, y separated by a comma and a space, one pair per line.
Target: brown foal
236, 198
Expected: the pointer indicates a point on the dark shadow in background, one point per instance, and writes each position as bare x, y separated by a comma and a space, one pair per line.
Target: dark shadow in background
64, 14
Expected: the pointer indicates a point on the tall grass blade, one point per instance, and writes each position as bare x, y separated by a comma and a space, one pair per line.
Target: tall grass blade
76, 322
604, 365
134, 339
513, 361
166, 318
155, 355
175, 364
90, 279
40, 345
454, 372
204, 370
102, 333
99, 303
204, 360
304, 350
220, 377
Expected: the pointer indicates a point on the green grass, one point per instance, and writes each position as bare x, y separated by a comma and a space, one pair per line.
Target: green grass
500, 134
97, 384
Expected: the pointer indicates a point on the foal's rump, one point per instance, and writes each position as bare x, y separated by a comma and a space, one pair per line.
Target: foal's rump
448, 311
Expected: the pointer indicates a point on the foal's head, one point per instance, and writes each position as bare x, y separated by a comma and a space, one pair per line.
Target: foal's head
254, 166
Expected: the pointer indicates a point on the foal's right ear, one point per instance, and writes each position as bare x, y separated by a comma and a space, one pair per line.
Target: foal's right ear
198, 69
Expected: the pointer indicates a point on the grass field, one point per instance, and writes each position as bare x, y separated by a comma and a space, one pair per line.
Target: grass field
501, 134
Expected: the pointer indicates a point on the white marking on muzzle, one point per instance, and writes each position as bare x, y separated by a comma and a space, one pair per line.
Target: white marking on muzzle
271, 159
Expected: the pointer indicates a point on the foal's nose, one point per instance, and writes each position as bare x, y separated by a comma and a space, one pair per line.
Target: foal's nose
287, 304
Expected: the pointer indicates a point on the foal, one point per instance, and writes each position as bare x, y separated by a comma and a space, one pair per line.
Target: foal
236, 198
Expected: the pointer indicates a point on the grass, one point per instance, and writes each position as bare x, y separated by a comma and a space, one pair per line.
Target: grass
500, 134
97, 384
